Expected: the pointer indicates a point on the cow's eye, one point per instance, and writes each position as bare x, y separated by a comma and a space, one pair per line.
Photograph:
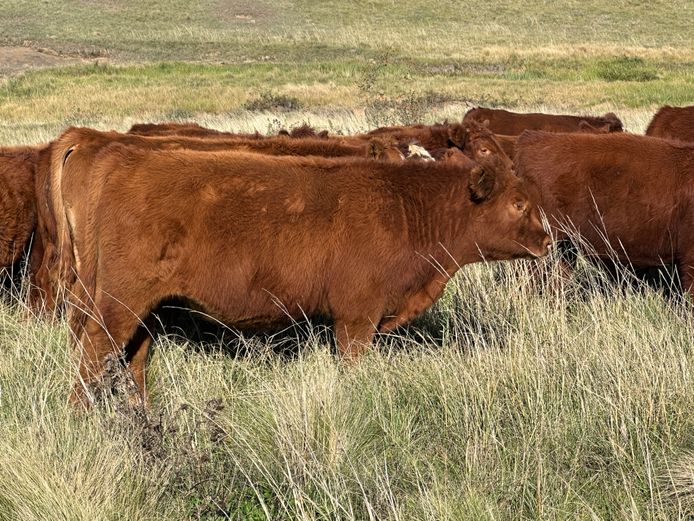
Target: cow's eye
521, 206
485, 151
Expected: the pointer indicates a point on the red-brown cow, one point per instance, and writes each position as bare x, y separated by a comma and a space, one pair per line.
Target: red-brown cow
257, 240
627, 195
513, 123
82, 145
673, 123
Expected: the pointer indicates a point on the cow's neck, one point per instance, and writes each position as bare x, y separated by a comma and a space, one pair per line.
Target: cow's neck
438, 223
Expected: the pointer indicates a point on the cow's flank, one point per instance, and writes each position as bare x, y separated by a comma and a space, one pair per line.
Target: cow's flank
17, 201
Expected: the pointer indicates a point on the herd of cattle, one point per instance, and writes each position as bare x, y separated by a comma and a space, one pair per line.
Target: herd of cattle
364, 229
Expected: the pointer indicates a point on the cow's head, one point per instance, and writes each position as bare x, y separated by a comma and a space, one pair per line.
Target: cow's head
456, 156
417, 152
478, 143
506, 222
613, 122
384, 150
586, 127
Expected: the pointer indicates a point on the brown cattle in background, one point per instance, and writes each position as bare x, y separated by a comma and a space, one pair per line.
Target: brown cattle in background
303, 131
508, 143
514, 123
255, 241
17, 201
188, 129
474, 139
431, 137
673, 123
191, 129
629, 196
24, 212
154, 129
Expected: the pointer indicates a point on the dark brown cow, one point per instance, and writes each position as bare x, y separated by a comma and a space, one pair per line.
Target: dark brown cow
24, 210
513, 123
17, 201
628, 196
303, 131
186, 129
257, 240
673, 123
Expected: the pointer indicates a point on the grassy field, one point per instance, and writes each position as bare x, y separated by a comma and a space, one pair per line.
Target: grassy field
568, 400
317, 31
369, 63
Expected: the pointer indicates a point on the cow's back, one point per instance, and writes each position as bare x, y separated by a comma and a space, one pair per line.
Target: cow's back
673, 123
514, 123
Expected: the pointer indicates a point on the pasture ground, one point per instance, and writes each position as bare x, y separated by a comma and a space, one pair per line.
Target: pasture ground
572, 400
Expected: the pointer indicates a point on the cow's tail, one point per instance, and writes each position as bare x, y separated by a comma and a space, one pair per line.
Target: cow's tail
62, 272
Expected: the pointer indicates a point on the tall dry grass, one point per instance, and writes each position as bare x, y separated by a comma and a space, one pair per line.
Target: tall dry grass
511, 399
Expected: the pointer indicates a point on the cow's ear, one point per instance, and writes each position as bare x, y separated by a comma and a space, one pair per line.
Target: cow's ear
457, 134
584, 126
376, 149
481, 184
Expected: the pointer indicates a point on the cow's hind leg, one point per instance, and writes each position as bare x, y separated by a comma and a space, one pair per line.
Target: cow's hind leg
108, 329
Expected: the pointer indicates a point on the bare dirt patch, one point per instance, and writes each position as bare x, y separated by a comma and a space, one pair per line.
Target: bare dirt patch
18, 59
245, 12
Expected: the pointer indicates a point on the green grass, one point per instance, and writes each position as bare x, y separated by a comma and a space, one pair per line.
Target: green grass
310, 30
103, 95
163, 60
